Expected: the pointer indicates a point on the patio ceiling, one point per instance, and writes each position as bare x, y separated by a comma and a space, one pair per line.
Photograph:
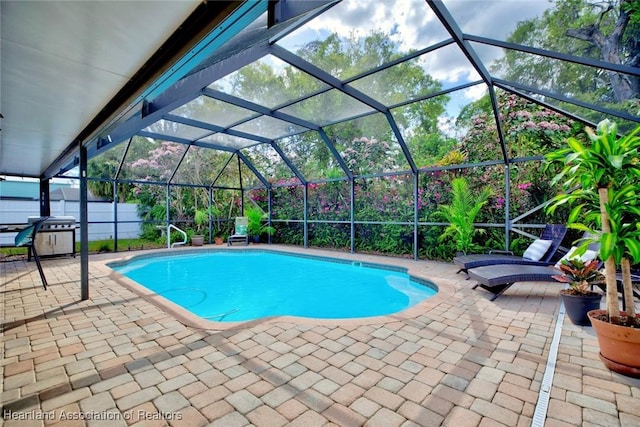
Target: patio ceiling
70, 67
164, 106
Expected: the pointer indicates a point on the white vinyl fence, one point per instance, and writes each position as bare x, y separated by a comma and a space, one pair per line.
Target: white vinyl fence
100, 217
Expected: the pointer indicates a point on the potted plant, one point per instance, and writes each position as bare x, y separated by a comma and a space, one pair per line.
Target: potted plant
218, 227
603, 180
461, 214
255, 226
580, 298
200, 219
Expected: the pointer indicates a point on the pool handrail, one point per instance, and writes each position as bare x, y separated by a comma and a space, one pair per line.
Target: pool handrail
171, 245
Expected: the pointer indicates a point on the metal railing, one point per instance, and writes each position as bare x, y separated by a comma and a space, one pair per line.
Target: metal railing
174, 244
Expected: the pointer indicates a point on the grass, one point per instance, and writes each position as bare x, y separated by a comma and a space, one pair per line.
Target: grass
97, 246
123, 245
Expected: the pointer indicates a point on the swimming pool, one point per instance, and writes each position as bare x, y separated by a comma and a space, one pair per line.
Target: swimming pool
241, 285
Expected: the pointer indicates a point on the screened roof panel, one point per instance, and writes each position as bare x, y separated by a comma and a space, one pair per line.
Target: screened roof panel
213, 111
105, 165
350, 42
368, 146
269, 127
268, 162
494, 19
433, 141
527, 125
310, 155
229, 176
269, 82
539, 24
249, 179
327, 107
410, 23
169, 128
152, 160
581, 83
200, 166
590, 114
71, 173
389, 86
226, 141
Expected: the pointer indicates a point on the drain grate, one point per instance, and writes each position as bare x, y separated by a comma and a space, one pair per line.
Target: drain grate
540, 413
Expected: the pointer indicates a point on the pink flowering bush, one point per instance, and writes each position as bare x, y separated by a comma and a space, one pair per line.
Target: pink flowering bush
368, 155
386, 202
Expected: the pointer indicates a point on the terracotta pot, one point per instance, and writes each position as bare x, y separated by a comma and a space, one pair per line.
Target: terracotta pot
577, 307
619, 345
218, 240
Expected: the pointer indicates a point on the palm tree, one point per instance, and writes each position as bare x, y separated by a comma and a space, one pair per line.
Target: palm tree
461, 213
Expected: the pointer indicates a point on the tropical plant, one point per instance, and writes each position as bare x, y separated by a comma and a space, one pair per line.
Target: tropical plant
461, 213
580, 275
603, 182
200, 220
255, 226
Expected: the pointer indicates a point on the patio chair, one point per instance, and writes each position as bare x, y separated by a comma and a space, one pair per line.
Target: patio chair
635, 281
498, 278
539, 253
240, 235
26, 237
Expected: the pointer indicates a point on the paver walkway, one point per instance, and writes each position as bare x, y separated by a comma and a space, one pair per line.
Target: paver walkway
456, 360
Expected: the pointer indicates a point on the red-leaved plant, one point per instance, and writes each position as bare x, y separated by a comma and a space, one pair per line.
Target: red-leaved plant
581, 276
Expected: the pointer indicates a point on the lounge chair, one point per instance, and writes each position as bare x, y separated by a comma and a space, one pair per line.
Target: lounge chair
240, 235
553, 233
498, 278
26, 237
635, 280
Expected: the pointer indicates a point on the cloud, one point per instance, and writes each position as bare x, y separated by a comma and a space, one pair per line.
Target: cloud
475, 92
494, 19
413, 25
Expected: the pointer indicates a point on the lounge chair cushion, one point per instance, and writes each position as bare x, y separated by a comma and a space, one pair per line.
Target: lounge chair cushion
25, 237
586, 257
537, 249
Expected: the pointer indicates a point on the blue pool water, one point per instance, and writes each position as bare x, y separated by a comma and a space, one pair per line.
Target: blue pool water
231, 286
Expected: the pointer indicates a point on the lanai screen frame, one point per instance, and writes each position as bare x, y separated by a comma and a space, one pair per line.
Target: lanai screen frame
290, 15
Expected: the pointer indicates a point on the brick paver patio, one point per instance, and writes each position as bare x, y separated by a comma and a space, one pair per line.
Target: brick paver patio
456, 360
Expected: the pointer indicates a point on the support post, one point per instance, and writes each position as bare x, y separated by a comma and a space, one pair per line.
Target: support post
352, 216
84, 226
507, 197
270, 207
45, 201
168, 211
115, 215
305, 215
416, 214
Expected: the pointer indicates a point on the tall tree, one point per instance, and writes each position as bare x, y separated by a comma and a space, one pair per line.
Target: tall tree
347, 58
616, 36
607, 30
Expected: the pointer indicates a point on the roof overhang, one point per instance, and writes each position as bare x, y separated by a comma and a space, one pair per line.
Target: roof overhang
70, 68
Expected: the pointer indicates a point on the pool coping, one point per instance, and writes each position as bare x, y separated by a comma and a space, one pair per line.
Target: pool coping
444, 289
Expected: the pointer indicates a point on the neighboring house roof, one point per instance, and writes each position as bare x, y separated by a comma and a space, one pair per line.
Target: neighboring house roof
27, 190
17, 190
24, 190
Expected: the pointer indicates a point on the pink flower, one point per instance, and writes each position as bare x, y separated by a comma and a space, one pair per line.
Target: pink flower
524, 186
